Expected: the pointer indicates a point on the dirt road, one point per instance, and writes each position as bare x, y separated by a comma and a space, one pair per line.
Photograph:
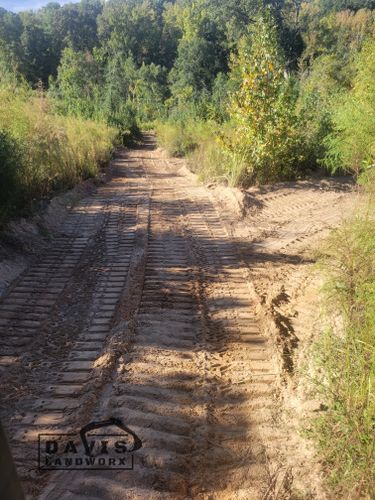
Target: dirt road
157, 304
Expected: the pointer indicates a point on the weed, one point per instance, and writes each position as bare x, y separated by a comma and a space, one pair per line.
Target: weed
345, 357
41, 152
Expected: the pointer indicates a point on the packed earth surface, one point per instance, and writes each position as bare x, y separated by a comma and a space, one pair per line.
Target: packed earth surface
184, 311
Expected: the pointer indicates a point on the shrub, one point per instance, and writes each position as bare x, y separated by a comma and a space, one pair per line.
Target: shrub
182, 137
318, 95
11, 163
212, 162
351, 145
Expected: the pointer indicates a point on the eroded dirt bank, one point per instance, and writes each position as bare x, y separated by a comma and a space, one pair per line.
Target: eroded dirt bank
181, 311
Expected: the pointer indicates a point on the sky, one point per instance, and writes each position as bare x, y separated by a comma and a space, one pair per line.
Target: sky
17, 5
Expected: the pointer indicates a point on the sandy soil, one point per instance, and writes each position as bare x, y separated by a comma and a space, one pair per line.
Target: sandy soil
280, 230
185, 311
24, 240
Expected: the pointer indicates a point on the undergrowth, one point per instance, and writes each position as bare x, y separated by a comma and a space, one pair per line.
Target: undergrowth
345, 357
200, 142
41, 152
182, 137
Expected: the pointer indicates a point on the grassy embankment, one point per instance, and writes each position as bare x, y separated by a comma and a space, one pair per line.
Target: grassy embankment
345, 358
199, 142
42, 152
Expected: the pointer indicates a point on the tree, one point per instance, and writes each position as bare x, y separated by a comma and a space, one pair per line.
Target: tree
262, 110
201, 54
80, 23
78, 84
130, 28
119, 93
11, 55
36, 47
150, 92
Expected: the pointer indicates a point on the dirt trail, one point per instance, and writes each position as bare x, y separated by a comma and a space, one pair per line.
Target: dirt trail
159, 305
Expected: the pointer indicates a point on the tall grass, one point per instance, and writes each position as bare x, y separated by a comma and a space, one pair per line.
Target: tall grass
182, 137
346, 360
41, 152
200, 142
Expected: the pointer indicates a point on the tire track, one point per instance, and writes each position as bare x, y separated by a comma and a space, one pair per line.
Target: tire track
196, 382
68, 340
164, 335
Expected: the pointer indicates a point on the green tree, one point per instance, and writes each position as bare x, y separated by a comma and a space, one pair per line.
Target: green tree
79, 24
150, 92
263, 109
201, 54
119, 93
130, 28
72, 25
11, 54
318, 89
78, 84
36, 44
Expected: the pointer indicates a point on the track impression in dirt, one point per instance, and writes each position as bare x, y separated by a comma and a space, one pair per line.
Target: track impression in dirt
142, 309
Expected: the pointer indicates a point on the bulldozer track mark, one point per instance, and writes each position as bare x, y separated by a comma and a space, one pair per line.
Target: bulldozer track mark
145, 309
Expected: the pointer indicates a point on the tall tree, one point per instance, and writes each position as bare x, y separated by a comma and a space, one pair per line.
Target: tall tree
201, 53
11, 54
36, 45
78, 85
132, 29
263, 109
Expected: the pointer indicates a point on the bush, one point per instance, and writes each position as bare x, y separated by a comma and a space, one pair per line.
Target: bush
318, 95
212, 162
182, 137
124, 119
201, 143
11, 163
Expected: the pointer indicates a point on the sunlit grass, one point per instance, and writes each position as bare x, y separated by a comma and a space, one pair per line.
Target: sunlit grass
346, 360
42, 151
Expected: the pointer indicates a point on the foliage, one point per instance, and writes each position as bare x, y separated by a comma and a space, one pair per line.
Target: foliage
77, 88
263, 109
319, 91
131, 29
214, 163
41, 152
327, 68
276, 76
200, 56
251, 92
11, 156
178, 137
351, 145
194, 69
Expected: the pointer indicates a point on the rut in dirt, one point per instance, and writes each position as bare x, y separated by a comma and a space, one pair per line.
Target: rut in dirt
141, 310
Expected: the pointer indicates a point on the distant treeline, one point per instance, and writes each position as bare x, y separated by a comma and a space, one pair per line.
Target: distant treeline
257, 91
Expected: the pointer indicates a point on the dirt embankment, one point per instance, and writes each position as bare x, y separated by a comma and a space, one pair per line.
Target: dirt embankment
185, 311
23, 240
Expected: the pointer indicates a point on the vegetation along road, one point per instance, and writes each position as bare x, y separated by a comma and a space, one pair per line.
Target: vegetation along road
187, 249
